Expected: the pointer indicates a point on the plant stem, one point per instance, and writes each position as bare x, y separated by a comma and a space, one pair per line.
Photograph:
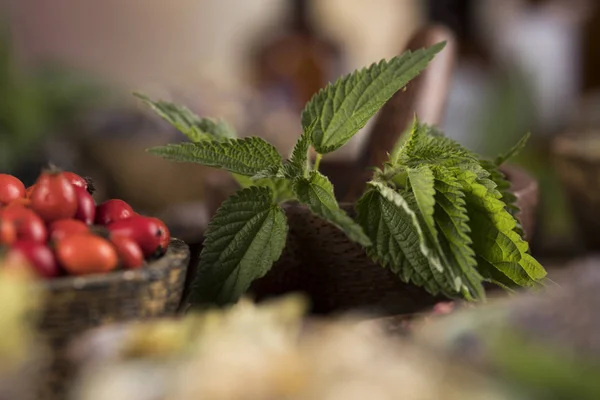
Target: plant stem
317, 161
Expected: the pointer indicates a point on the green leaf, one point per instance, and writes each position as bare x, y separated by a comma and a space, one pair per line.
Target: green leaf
516, 149
473, 211
503, 186
452, 223
282, 188
343, 108
428, 145
422, 184
388, 218
249, 156
401, 142
298, 165
244, 238
316, 192
493, 232
533, 268
195, 128
453, 247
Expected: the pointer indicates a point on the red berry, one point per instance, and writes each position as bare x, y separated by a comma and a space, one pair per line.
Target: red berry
54, 197
144, 231
62, 228
86, 206
84, 254
8, 232
76, 180
165, 235
11, 188
36, 255
112, 210
29, 225
129, 252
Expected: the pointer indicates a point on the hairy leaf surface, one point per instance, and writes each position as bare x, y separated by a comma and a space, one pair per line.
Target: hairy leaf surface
244, 238
249, 156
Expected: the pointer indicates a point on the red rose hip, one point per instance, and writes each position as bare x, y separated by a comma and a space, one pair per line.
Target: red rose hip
11, 188
76, 180
129, 252
62, 228
113, 210
37, 255
84, 254
28, 225
86, 206
54, 197
8, 233
143, 230
165, 235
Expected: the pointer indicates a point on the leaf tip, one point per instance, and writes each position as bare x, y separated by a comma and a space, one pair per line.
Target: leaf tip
153, 150
140, 96
439, 46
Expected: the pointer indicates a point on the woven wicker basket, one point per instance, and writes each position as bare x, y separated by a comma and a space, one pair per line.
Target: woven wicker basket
336, 273
76, 304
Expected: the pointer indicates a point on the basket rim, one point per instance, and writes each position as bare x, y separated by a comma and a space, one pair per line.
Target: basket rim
177, 253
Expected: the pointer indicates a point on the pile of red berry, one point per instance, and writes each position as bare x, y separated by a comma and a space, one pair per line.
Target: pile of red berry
55, 227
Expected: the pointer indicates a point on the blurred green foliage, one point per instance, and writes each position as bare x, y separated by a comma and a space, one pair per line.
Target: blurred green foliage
510, 111
543, 371
36, 102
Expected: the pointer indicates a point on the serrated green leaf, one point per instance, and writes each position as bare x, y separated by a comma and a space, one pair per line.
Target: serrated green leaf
249, 156
398, 241
491, 272
195, 128
452, 223
516, 149
533, 268
407, 203
428, 145
244, 238
401, 142
503, 186
298, 165
273, 172
316, 192
422, 185
282, 188
343, 108
493, 233
501, 255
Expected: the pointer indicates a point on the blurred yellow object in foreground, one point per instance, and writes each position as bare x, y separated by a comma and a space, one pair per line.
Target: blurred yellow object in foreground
270, 351
20, 301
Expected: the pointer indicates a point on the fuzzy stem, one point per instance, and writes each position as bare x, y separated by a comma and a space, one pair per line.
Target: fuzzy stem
317, 161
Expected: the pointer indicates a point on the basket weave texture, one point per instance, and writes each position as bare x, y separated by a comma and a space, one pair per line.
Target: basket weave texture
75, 304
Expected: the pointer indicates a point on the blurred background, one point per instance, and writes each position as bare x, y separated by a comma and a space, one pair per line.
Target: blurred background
68, 67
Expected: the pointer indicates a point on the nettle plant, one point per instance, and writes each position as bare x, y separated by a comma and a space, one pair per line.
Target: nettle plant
437, 215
